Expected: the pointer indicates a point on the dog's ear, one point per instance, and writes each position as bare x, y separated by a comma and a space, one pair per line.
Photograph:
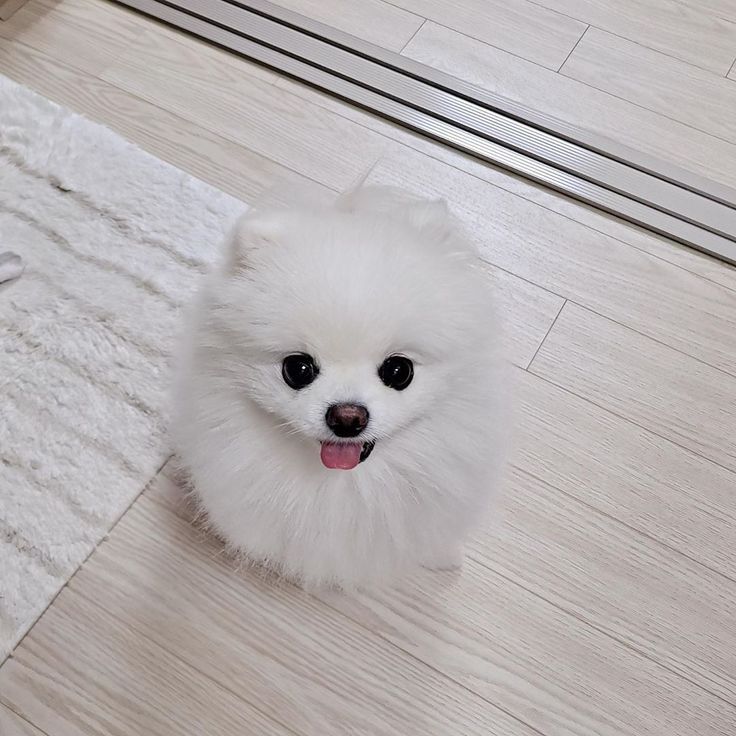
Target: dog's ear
430, 215
422, 214
252, 232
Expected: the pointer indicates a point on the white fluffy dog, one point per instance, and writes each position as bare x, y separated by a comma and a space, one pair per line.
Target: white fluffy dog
340, 393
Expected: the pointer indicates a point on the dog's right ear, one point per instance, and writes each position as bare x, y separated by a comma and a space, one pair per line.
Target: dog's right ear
252, 232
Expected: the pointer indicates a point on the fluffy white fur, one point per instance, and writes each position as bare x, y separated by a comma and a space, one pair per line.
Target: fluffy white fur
373, 274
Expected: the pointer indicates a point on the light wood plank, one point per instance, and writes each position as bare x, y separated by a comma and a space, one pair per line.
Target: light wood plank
560, 255
298, 660
230, 167
496, 633
718, 8
524, 28
13, 725
576, 102
668, 26
622, 470
669, 608
657, 82
81, 672
680, 398
176, 73
376, 21
85, 34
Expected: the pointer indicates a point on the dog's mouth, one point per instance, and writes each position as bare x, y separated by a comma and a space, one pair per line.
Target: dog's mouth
345, 455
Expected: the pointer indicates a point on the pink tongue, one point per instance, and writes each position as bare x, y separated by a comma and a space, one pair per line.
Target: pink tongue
340, 456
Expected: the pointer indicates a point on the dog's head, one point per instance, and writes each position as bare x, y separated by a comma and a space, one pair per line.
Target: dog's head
351, 323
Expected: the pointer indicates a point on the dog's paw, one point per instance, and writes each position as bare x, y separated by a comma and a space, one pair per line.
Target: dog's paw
447, 559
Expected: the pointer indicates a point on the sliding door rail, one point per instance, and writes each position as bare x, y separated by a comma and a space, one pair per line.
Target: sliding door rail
546, 123
636, 187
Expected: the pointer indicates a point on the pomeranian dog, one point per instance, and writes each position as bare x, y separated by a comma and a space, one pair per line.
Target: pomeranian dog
339, 408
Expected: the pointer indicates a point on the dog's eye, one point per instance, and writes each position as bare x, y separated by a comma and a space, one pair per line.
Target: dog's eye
299, 370
396, 372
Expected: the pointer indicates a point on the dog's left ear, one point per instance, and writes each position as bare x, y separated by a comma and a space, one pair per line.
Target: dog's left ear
422, 214
430, 215
252, 232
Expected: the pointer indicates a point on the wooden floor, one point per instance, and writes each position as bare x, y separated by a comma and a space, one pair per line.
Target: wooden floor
605, 600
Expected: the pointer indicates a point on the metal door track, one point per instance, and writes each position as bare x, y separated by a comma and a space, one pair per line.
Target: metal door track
634, 186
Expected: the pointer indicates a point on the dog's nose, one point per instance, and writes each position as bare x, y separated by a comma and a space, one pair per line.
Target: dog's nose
347, 420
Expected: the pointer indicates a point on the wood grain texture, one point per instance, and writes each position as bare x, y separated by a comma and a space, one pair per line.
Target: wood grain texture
231, 167
562, 256
682, 399
176, 73
524, 28
657, 82
626, 472
666, 607
579, 104
717, 8
13, 725
381, 23
85, 34
300, 662
682, 31
82, 672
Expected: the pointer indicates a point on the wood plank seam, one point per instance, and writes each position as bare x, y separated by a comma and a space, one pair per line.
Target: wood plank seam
413, 35
572, 50
639, 532
624, 418
539, 347
436, 20
23, 718
679, 121
580, 618
656, 340
541, 4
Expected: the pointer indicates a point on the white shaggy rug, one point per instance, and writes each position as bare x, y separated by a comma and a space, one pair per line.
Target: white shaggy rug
114, 241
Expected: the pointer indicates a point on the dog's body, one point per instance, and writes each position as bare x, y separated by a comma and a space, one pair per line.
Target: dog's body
297, 362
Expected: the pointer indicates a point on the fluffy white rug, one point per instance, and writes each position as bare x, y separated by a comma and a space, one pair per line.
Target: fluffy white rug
114, 241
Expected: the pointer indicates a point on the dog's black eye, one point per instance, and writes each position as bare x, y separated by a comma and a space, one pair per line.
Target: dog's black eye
299, 370
396, 372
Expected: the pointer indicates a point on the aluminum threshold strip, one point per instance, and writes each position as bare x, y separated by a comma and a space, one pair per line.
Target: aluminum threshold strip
655, 195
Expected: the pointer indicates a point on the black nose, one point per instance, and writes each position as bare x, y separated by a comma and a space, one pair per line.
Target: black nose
347, 420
